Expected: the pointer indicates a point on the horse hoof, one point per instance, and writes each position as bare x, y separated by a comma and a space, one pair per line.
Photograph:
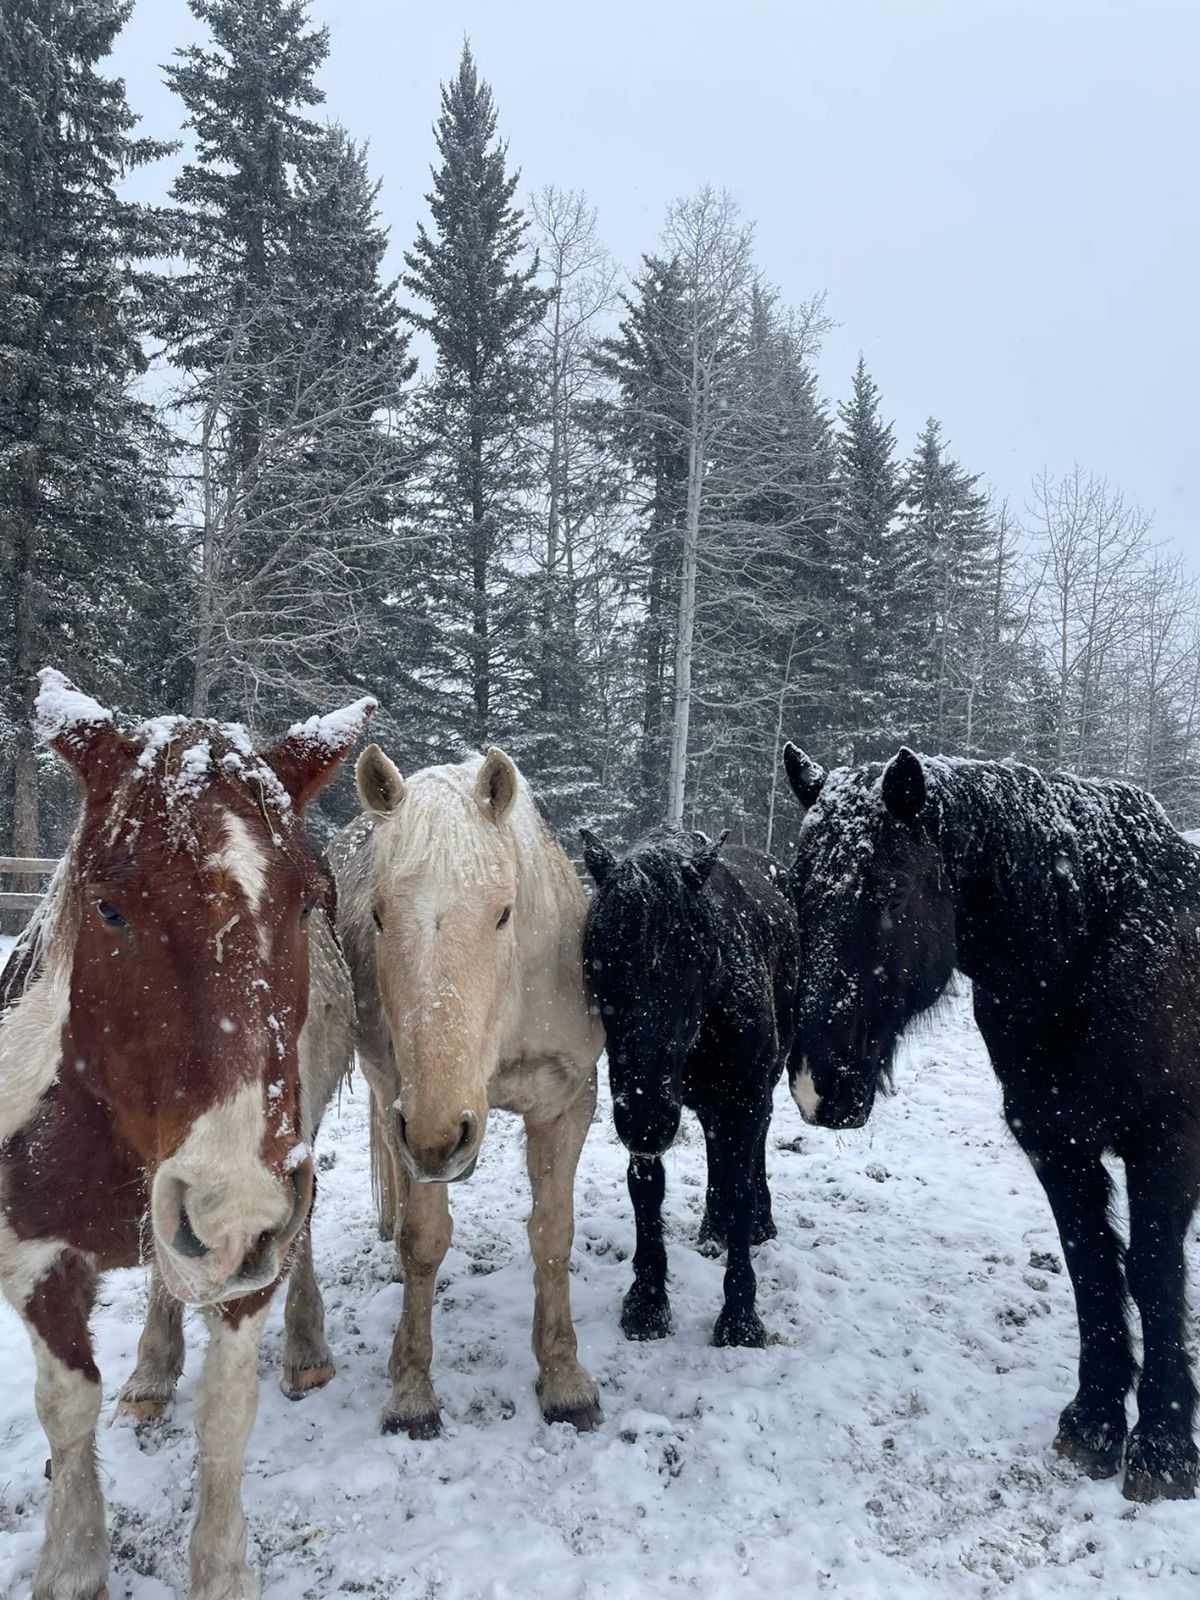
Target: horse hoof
746, 1332
419, 1428
1145, 1487
1160, 1468
645, 1316
1097, 1461
143, 1410
299, 1381
584, 1419
764, 1234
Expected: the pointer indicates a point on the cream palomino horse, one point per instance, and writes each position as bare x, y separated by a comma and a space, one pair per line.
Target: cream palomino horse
462, 922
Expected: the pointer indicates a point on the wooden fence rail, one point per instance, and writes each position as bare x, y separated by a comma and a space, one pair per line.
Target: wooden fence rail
25, 866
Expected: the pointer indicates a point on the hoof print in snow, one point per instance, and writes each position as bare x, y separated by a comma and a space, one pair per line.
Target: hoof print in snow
877, 1172
1044, 1261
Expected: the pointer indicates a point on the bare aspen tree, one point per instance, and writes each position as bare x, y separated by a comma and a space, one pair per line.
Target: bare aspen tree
713, 248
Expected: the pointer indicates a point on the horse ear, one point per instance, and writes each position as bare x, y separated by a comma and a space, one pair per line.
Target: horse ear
805, 776
903, 785
496, 785
378, 781
597, 857
306, 757
704, 859
78, 727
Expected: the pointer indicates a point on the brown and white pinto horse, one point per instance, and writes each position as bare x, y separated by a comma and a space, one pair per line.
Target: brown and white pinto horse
150, 1088
462, 921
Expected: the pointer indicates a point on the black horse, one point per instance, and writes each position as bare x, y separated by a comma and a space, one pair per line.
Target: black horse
692, 958
1074, 907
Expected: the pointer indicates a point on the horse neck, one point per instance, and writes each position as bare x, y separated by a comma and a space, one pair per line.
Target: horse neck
550, 903
1014, 867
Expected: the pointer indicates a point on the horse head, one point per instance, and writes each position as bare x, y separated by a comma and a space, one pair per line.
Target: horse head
183, 926
877, 929
650, 958
445, 898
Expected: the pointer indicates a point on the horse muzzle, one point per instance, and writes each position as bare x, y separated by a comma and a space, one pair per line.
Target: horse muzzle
205, 1263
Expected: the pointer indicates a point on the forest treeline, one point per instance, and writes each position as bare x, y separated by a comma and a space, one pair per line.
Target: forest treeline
607, 520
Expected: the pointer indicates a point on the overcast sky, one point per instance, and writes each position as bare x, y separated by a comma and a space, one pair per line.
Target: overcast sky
998, 196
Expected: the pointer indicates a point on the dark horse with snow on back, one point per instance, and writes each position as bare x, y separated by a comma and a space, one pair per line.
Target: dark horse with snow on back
1074, 908
692, 958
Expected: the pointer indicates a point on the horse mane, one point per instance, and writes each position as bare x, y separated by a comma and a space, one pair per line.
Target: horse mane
645, 904
439, 828
1061, 850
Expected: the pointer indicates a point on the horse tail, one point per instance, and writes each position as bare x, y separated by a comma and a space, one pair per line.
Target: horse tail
383, 1175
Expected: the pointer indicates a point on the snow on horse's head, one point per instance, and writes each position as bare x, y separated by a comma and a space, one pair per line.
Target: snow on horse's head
179, 933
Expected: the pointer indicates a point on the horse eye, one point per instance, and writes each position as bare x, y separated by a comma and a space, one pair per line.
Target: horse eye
110, 914
375, 919
504, 916
309, 907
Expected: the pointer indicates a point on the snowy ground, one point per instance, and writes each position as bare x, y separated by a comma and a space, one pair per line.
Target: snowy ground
894, 1439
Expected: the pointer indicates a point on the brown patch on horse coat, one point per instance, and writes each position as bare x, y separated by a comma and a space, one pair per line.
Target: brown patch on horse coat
58, 1308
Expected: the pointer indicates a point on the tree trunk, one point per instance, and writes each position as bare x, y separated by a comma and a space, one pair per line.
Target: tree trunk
677, 768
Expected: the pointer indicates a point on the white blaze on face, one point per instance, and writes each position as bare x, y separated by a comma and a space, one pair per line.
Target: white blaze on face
804, 1092
245, 861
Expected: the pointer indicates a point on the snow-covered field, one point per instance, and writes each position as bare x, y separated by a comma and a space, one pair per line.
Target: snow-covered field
893, 1440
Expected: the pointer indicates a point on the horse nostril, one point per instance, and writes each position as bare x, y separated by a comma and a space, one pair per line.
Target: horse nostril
466, 1129
185, 1241
402, 1128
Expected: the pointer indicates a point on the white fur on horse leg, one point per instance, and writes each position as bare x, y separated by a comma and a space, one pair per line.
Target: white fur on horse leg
412, 1407
307, 1360
74, 1559
565, 1389
150, 1387
226, 1402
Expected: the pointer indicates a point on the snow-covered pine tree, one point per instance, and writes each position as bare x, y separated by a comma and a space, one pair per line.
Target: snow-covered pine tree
867, 588
87, 568
472, 274
288, 339
947, 550
646, 422
760, 620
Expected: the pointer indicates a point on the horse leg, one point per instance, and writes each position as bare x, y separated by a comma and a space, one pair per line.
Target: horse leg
73, 1562
764, 1223
1091, 1429
226, 1403
566, 1391
150, 1387
425, 1235
736, 1137
1162, 1460
646, 1310
712, 1224
307, 1359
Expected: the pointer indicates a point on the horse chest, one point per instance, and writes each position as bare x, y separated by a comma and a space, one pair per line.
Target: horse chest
542, 1086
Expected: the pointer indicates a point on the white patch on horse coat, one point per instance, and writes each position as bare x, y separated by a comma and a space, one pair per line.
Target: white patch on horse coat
245, 862
804, 1093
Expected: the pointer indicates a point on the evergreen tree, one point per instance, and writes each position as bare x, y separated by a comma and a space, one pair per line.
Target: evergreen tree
482, 305
867, 583
87, 570
294, 362
648, 422
947, 550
